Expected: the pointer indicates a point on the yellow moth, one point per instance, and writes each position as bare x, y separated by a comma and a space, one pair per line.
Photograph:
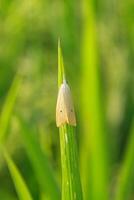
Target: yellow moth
65, 110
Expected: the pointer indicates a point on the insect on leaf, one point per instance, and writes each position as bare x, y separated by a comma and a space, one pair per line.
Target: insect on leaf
65, 110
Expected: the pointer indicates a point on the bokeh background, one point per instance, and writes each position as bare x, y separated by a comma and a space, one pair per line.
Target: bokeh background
29, 32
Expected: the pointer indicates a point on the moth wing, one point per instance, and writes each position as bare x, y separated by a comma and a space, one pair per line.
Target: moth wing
61, 116
70, 113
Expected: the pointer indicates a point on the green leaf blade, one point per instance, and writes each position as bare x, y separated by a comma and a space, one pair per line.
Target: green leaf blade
8, 107
39, 161
126, 173
20, 185
71, 183
95, 147
61, 70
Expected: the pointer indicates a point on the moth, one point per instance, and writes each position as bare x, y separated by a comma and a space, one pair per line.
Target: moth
65, 109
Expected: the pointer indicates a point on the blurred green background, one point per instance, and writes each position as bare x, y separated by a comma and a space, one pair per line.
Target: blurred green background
29, 31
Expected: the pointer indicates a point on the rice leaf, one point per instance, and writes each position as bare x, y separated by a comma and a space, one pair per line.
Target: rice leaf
94, 151
126, 173
71, 183
61, 70
8, 107
20, 185
39, 161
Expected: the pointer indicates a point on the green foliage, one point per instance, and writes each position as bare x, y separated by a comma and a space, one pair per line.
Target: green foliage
126, 172
71, 183
39, 162
21, 188
61, 70
8, 107
97, 37
95, 144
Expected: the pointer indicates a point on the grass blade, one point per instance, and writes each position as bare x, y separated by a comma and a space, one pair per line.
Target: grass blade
8, 107
71, 184
126, 172
21, 188
94, 144
39, 162
61, 70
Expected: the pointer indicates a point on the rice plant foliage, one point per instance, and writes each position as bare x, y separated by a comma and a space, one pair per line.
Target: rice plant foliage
43, 171
99, 47
20, 185
8, 107
71, 183
94, 137
125, 176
